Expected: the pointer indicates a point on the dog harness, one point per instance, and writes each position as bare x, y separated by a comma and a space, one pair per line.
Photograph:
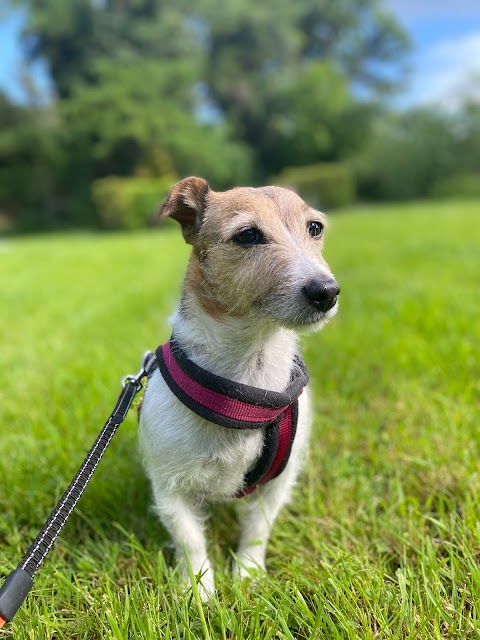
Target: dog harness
238, 406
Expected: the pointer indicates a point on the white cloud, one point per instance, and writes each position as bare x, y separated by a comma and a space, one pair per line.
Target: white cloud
446, 57
446, 72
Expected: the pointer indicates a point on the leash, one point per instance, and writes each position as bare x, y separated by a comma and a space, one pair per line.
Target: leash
220, 400
19, 582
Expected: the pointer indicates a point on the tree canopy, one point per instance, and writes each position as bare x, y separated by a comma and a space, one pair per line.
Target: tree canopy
235, 91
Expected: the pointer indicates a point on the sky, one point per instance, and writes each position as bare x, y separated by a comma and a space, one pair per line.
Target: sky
446, 51
446, 54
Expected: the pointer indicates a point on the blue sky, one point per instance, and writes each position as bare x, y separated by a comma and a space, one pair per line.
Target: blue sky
446, 55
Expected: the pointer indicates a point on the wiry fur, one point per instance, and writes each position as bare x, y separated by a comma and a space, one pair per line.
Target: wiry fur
240, 309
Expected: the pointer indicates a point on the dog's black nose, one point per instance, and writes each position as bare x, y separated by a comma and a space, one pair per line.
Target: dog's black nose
322, 294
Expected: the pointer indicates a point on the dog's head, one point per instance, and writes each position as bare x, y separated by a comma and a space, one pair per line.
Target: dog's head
257, 252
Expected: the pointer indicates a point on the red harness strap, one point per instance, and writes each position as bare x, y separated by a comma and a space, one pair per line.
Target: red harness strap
238, 406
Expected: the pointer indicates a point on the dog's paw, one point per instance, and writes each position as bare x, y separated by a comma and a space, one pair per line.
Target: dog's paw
206, 586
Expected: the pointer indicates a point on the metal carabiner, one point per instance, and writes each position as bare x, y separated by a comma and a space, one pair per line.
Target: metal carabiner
147, 361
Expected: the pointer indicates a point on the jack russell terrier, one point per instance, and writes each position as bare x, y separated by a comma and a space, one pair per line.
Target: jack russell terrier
226, 412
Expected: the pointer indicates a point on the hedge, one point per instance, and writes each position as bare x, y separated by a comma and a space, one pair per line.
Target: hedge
128, 203
325, 185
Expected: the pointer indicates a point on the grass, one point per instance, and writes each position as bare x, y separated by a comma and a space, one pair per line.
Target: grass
382, 539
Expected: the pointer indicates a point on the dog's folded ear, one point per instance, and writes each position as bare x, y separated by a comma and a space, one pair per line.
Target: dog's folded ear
185, 203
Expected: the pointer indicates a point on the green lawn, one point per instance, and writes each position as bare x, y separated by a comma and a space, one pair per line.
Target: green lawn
382, 539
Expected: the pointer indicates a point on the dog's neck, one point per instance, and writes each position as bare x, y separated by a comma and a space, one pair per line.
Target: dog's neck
248, 351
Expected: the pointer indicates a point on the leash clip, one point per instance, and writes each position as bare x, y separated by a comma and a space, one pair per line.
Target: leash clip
136, 380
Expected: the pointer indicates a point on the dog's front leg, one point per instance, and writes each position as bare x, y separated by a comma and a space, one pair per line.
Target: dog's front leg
185, 522
257, 515
257, 512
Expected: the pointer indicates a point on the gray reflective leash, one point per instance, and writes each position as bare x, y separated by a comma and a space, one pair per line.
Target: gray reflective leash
19, 582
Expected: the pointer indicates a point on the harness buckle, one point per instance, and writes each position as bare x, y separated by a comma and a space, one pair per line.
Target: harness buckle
136, 379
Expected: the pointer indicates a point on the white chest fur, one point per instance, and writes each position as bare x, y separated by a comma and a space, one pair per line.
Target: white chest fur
187, 454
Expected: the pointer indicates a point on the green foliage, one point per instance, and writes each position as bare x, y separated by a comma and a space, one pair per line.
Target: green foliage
256, 55
283, 80
128, 203
381, 540
327, 186
74, 36
313, 118
233, 91
210, 152
30, 168
420, 152
461, 184
405, 155
466, 124
123, 124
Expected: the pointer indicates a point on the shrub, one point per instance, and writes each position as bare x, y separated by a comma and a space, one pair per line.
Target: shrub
127, 203
327, 185
461, 184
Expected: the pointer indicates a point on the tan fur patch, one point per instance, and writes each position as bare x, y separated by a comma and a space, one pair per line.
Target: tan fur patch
195, 284
231, 278
265, 279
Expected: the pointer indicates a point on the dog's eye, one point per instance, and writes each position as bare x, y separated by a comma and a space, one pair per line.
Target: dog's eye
315, 229
249, 236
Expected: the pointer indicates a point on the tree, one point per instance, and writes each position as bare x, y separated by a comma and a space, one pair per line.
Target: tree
129, 122
234, 91
30, 161
265, 59
254, 62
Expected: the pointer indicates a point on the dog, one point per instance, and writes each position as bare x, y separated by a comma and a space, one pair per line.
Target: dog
256, 278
